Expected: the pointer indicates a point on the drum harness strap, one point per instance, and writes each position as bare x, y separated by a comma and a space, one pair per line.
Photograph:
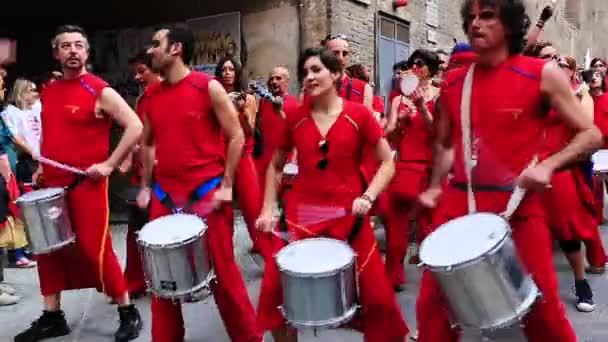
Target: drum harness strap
77, 181
196, 195
465, 119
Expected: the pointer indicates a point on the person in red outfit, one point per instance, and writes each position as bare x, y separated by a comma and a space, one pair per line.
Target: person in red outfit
507, 126
80, 108
230, 74
329, 135
412, 122
192, 132
145, 75
270, 121
570, 199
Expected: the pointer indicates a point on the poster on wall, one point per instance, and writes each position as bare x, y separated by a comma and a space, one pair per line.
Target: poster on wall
215, 37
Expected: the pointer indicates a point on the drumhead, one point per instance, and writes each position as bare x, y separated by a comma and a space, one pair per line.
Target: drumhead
315, 256
463, 239
600, 161
40, 194
171, 229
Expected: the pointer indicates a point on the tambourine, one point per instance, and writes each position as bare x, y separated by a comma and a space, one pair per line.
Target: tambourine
408, 84
258, 88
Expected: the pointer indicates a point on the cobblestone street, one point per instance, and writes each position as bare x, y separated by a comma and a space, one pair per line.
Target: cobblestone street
92, 319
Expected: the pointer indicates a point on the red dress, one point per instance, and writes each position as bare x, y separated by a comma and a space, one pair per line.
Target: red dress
335, 187
182, 119
69, 119
506, 125
413, 165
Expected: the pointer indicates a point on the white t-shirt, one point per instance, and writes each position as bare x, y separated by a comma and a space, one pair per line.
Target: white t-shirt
25, 124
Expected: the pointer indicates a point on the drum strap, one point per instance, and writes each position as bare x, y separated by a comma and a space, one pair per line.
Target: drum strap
196, 195
356, 229
465, 120
77, 180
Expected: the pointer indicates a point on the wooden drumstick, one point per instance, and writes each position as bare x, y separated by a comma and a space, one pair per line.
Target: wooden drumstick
60, 165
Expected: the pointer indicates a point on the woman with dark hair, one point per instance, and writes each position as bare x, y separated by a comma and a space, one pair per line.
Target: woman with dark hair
410, 127
229, 73
329, 135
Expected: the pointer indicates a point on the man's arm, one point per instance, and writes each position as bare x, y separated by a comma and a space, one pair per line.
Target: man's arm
443, 148
561, 98
147, 154
228, 119
112, 104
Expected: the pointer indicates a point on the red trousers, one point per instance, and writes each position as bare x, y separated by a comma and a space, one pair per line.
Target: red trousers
570, 207
380, 316
402, 207
91, 261
230, 292
250, 199
134, 274
547, 320
596, 254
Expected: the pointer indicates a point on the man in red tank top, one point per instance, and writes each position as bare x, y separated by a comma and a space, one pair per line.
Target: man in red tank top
507, 126
193, 128
271, 122
145, 75
77, 114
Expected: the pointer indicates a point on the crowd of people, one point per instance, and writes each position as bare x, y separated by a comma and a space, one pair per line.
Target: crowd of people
203, 143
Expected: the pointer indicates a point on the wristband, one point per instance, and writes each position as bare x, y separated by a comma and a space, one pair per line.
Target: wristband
367, 198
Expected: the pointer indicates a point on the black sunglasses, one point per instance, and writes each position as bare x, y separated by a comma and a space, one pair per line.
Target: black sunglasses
550, 57
336, 36
323, 148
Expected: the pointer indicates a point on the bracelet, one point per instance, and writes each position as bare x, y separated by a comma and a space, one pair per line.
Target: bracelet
540, 24
367, 198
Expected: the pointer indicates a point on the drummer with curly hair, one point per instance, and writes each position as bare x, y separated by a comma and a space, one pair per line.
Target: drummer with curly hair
506, 129
329, 135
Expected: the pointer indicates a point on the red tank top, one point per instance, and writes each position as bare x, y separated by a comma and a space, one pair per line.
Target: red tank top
272, 125
141, 108
188, 138
72, 133
415, 144
557, 135
507, 122
600, 116
340, 182
352, 89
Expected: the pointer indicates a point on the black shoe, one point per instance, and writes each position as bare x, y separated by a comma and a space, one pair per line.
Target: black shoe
50, 324
584, 296
130, 324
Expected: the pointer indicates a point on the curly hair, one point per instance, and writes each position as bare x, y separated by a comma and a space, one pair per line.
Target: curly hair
535, 49
357, 71
240, 81
512, 15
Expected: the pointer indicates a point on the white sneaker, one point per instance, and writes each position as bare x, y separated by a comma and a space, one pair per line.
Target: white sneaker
6, 299
4, 288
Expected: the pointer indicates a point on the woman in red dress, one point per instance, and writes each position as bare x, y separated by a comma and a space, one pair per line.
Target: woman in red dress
230, 74
410, 126
330, 135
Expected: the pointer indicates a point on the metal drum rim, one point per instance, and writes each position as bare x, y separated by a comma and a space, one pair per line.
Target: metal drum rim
522, 310
330, 323
40, 200
144, 244
183, 294
55, 247
316, 275
466, 264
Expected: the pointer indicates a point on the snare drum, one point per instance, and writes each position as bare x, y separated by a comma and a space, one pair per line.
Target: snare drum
318, 277
175, 259
290, 171
475, 262
47, 220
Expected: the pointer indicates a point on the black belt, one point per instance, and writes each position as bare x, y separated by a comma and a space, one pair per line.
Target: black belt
483, 188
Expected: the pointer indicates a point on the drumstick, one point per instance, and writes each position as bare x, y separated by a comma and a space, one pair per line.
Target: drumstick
312, 214
60, 165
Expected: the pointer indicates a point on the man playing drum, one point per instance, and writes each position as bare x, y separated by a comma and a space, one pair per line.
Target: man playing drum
329, 135
507, 125
77, 115
186, 123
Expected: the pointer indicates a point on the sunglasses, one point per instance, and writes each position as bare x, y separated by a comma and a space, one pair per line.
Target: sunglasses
420, 63
549, 57
564, 66
336, 36
323, 148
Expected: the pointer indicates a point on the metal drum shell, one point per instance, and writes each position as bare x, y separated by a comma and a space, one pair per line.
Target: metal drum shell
321, 300
48, 225
490, 292
178, 271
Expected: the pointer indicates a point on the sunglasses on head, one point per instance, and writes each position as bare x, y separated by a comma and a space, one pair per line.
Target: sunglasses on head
549, 57
336, 36
420, 63
323, 148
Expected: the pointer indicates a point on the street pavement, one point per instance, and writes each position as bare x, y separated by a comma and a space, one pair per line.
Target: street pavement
92, 319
